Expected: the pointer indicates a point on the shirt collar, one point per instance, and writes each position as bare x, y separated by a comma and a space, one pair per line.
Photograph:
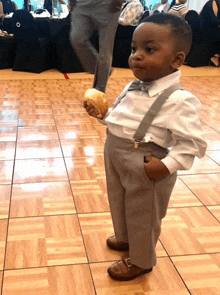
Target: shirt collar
164, 83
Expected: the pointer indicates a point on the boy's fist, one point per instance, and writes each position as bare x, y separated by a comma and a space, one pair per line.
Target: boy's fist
91, 110
99, 100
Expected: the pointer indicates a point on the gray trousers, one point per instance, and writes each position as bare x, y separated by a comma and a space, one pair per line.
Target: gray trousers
137, 203
84, 21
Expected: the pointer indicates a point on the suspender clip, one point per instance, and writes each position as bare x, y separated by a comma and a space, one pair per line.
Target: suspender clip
136, 143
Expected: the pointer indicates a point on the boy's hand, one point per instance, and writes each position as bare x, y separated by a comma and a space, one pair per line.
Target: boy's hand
91, 110
155, 168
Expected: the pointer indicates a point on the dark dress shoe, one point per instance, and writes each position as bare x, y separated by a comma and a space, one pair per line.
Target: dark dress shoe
125, 271
119, 246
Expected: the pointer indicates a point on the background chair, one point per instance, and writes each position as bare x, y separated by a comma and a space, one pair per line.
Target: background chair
146, 14
122, 46
33, 54
202, 48
7, 52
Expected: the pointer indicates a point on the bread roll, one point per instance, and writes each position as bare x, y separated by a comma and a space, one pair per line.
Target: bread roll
98, 99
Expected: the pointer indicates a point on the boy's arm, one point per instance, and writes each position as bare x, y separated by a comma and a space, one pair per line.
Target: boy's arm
186, 130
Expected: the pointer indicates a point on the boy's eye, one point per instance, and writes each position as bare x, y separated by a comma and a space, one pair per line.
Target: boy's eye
150, 50
132, 49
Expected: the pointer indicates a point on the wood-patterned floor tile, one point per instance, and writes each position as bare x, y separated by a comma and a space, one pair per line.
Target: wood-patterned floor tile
163, 280
40, 170
38, 199
215, 155
182, 196
73, 118
204, 165
44, 241
38, 149
201, 273
190, 230
7, 150
205, 187
213, 141
8, 118
28, 120
6, 168
8, 133
75, 107
77, 131
35, 110
215, 210
79, 147
3, 232
72, 148
101, 130
37, 133
56, 280
85, 168
96, 228
1, 276
92, 146
5, 191
90, 195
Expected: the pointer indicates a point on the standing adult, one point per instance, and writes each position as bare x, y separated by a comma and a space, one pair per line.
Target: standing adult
87, 16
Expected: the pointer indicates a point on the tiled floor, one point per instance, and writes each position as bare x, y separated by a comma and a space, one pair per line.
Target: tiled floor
54, 212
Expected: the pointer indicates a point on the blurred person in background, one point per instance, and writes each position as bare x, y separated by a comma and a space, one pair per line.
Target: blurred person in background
179, 9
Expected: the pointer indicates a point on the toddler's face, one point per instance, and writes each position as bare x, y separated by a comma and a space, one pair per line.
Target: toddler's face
152, 52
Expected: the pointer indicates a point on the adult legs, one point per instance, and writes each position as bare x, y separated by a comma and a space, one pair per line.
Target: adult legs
106, 43
81, 30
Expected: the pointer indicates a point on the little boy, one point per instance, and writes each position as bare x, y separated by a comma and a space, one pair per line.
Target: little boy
141, 173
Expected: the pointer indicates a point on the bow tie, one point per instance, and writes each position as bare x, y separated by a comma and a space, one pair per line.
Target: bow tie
140, 86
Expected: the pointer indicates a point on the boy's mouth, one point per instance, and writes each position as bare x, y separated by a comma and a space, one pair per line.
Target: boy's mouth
136, 67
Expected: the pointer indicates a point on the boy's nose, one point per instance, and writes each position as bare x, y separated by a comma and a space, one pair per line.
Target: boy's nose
138, 55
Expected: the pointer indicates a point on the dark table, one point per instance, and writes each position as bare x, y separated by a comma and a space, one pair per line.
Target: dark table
52, 49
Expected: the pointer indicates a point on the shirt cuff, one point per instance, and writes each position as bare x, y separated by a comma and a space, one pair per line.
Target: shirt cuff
171, 164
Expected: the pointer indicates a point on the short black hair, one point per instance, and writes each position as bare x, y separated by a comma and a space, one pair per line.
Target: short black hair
180, 29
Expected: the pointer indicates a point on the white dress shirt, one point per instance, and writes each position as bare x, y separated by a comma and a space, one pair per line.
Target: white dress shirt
177, 125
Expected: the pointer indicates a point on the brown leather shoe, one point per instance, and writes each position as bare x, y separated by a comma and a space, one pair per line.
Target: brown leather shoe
119, 246
125, 271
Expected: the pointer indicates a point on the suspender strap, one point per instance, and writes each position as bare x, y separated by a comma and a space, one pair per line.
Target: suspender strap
152, 112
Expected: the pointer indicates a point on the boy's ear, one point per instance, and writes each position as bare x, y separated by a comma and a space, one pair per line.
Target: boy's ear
178, 59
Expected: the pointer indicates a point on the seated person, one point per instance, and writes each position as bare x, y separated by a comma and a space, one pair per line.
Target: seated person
210, 20
6, 7
131, 13
210, 17
179, 8
161, 7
